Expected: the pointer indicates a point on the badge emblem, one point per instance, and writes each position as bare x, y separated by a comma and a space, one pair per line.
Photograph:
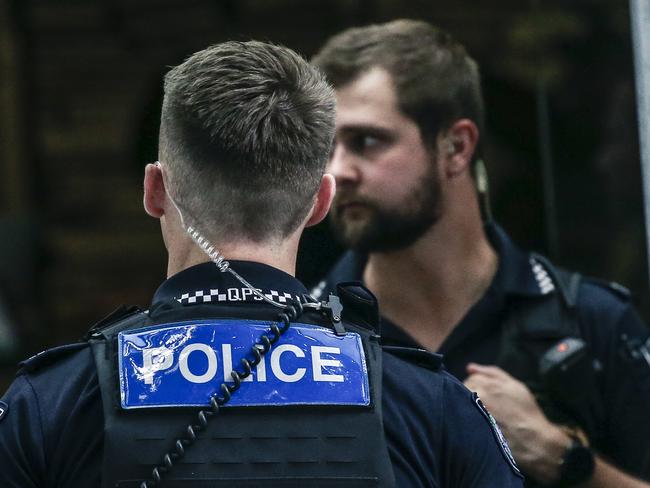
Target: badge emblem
501, 440
182, 364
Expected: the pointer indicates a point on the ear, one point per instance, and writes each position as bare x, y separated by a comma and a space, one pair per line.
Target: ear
457, 147
154, 191
323, 200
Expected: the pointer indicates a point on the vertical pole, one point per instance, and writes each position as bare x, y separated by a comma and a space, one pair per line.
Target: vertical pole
548, 174
545, 150
640, 26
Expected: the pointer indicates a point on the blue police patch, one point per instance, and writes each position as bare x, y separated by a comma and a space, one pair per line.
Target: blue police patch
4, 408
498, 435
182, 364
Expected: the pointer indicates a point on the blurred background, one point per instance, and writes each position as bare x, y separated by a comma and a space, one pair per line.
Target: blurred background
80, 89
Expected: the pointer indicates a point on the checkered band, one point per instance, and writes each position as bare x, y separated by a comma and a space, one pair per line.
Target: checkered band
544, 281
232, 295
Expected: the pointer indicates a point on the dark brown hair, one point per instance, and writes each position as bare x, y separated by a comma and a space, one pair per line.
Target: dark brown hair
246, 131
436, 81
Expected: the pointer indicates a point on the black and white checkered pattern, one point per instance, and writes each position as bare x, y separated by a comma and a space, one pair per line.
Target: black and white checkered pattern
544, 281
277, 297
232, 295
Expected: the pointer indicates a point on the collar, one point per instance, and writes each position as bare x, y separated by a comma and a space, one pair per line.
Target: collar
518, 272
204, 283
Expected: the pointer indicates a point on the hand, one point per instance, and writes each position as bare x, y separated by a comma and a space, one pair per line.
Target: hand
536, 443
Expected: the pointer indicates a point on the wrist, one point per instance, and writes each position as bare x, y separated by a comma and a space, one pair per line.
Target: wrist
545, 461
578, 463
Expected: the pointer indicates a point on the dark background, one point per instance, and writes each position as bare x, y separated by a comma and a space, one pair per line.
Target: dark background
80, 87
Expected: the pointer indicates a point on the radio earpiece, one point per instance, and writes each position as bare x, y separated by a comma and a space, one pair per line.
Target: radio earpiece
451, 149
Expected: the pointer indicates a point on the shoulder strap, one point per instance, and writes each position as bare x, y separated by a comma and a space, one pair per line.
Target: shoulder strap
101, 339
359, 305
105, 326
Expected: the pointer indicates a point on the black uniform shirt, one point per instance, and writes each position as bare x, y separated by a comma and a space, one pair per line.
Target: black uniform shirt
604, 315
51, 417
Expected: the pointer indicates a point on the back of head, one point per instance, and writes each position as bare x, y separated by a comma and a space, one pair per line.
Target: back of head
246, 131
436, 81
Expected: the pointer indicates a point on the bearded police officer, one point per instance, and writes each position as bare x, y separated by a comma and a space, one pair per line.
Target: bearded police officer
562, 361
235, 376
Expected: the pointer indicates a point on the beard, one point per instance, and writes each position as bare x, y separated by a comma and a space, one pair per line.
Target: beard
372, 226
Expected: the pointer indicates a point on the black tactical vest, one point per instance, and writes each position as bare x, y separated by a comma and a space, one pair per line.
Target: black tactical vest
286, 446
535, 325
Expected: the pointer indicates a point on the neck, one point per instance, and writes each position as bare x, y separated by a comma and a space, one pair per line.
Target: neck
280, 255
447, 270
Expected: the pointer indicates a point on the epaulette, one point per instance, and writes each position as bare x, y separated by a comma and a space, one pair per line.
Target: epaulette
616, 288
420, 357
567, 282
49, 356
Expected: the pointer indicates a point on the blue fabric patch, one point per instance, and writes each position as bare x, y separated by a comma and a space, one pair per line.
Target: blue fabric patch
182, 364
498, 435
4, 408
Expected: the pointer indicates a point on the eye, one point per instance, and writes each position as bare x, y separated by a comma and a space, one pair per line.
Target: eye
361, 143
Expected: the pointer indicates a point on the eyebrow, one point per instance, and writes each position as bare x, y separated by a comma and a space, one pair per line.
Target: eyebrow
373, 130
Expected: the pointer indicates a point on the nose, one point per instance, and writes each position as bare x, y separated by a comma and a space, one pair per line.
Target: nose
343, 166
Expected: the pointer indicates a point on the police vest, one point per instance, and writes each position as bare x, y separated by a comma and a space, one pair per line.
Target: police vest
532, 328
293, 424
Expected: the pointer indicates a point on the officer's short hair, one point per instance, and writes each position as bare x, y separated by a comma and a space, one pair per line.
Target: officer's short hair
436, 81
246, 131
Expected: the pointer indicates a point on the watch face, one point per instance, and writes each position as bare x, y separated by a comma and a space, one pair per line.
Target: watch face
578, 465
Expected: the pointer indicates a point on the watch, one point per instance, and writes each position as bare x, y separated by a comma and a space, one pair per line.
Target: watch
577, 464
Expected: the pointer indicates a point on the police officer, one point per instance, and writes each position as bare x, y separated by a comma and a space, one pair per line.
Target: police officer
562, 361
235, 376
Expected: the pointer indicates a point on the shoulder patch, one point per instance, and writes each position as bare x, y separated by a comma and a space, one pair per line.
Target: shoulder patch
498, 435
4, 408
48, 356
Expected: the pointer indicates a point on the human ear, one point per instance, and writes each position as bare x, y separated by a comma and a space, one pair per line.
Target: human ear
323, 201
458, 145
154, 191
